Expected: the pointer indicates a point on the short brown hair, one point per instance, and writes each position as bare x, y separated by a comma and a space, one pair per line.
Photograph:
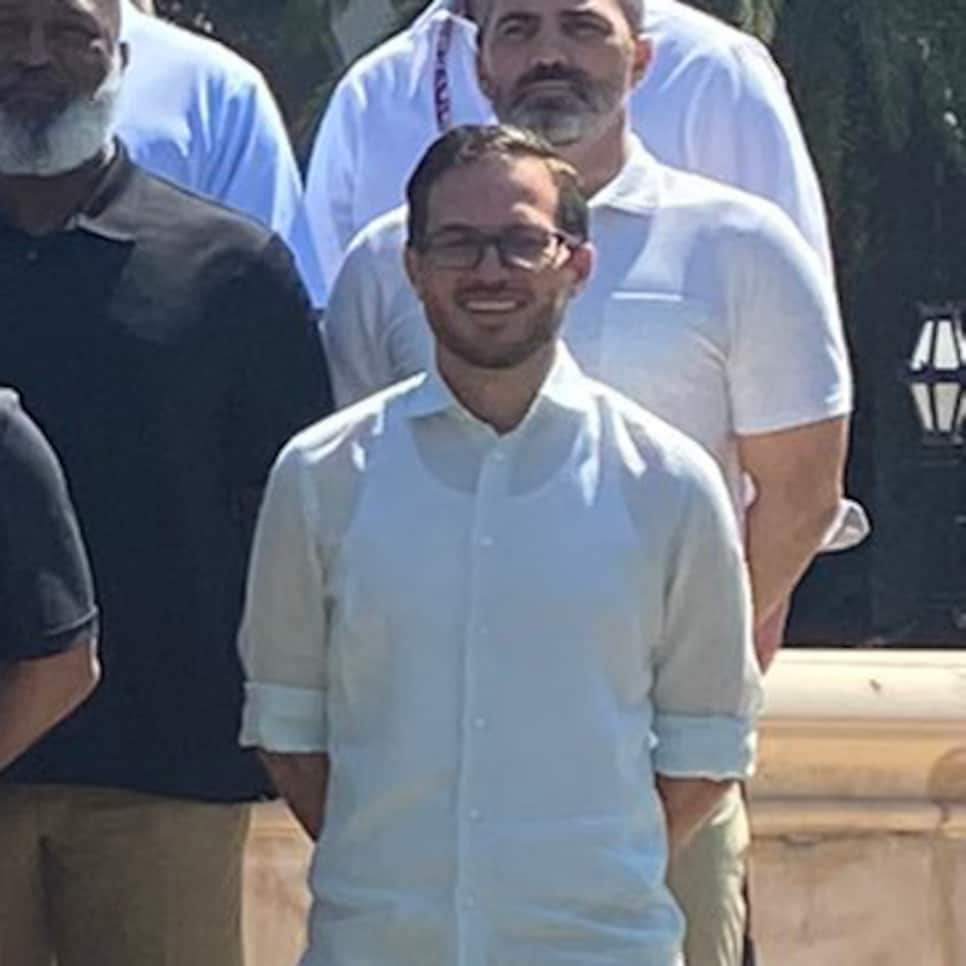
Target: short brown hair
470, 143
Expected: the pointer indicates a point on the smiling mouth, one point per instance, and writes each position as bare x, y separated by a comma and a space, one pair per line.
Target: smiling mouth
491, 305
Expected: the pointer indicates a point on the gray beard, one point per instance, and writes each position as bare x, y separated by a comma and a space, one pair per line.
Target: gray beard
78, 134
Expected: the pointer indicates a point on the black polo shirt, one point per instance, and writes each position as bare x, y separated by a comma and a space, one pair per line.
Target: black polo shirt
167, 349
46, 597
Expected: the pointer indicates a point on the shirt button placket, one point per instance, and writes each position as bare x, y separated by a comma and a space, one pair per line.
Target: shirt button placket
491, 490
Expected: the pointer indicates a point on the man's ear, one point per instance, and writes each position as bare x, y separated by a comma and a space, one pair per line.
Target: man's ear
643, 54
581, 264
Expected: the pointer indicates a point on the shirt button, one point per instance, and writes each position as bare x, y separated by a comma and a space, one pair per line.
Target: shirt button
32, 255
469, 902
475, 815
479, 723
486, 542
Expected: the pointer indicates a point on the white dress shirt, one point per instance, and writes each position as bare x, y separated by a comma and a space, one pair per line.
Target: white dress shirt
196, 113
498, 640
712, 101
705, 306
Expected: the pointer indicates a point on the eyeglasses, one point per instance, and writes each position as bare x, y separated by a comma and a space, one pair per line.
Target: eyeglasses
528, 249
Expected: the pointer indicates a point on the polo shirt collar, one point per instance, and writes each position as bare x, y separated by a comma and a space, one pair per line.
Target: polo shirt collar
636, 188
96, 216
565, 387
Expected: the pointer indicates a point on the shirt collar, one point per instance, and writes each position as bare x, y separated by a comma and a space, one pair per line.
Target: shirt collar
565, 387
636, 187
97, 215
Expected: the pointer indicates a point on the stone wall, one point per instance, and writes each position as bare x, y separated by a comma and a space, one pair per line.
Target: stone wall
858, 811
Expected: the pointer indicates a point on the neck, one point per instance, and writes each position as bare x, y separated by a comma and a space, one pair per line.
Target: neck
499, 397
600, 160
42, 205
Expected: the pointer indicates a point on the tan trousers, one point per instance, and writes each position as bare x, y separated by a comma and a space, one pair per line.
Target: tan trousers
101, 877
707, 879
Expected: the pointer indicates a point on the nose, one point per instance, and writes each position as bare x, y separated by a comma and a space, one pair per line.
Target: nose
34, 51
491, 264
548, 49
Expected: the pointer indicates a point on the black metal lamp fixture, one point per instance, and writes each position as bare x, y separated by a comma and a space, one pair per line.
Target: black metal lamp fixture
936, 373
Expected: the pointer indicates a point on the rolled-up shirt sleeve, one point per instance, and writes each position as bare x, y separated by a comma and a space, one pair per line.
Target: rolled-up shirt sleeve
282, 640
707, 687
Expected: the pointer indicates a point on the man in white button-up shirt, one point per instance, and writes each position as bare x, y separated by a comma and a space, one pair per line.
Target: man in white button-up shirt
706, 307
713, 102
497, 631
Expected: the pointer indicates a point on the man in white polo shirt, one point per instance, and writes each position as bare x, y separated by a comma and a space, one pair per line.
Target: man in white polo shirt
497, 633
198, 114
712, 101
706, 306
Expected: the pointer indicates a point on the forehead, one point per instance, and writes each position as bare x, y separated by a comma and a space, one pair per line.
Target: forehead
494, 191
610, 9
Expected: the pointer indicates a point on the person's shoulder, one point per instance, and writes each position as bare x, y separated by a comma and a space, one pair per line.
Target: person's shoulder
696, 35
160, 205
347, 432
205, 59
395, 66
387, 230
721, 210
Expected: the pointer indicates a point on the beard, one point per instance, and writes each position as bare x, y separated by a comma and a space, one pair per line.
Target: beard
528, 334
562, 116
67, 141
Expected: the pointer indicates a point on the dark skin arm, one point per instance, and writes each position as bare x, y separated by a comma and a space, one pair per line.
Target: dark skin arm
37, 694
302, 780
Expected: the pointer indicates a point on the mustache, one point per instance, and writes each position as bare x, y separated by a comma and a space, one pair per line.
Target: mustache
573, 76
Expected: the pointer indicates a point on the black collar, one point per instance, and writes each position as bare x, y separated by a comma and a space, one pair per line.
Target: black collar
100, 214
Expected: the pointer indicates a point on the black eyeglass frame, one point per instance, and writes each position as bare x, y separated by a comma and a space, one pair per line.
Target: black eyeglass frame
482, 241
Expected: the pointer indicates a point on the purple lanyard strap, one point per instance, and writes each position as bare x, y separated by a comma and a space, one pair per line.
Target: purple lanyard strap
442, 93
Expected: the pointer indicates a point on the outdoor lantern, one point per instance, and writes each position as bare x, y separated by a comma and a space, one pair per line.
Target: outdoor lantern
936, 373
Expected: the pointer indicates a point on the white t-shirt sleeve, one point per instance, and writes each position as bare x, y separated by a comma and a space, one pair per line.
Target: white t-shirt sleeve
355, 317
331, 178
707, 684
282, 641
787, 361
741, 128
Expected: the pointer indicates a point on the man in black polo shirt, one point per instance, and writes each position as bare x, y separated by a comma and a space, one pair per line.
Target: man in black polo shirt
168, 350
48, 657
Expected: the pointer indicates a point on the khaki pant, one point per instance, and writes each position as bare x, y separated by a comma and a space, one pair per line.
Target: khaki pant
100, 877
707, 879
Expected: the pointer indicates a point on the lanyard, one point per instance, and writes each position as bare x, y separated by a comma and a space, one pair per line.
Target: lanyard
442, 93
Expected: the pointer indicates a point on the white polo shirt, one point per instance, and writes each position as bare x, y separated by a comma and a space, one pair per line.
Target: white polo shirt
712, 101
499, 640
196, 113
705, 306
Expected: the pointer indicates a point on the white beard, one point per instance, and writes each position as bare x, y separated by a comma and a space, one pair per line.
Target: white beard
74, 137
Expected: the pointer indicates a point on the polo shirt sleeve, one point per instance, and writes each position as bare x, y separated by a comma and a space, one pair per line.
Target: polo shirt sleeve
707, 684
46, 593
787, 359
741, 128
355, 320
283, 631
